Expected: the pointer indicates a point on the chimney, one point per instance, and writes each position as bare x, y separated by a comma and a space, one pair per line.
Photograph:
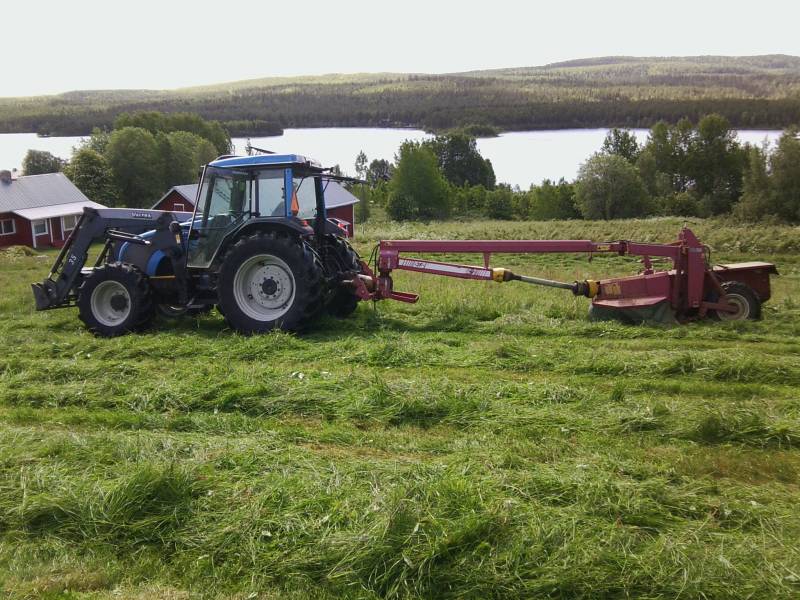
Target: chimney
5, 176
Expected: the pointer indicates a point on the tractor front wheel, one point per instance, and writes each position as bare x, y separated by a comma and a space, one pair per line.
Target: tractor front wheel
743, 298
114, 299
269, 280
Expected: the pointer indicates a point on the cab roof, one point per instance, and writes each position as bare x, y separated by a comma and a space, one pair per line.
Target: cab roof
266, 160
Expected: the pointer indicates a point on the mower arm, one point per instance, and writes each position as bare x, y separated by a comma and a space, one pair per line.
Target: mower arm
60, 287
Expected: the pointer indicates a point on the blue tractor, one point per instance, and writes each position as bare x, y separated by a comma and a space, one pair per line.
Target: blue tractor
258, 246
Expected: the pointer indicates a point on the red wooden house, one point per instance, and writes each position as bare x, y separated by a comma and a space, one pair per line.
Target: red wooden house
39, 210
339, 202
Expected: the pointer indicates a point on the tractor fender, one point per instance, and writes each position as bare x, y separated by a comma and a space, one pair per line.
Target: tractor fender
255, 225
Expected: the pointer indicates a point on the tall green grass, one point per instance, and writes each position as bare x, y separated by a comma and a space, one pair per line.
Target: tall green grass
486, 442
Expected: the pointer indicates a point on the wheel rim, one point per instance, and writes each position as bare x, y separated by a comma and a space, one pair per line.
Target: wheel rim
264, 287
111, 303
741, 304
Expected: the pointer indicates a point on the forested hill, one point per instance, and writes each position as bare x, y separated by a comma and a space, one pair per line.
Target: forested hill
755, 92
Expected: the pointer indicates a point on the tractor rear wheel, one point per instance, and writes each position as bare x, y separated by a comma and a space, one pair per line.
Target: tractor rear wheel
340, 259
746, 301
115, 299
269, 280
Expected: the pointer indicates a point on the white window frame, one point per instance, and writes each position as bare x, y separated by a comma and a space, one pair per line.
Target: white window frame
64, 229
181, 209
13, 226
46, 227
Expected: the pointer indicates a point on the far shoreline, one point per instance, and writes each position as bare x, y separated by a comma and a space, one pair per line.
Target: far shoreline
499, 133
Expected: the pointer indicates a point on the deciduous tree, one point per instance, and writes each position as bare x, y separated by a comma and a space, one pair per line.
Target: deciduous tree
361, 165
785, 167
379, 170
39, 162
133, 156
622, 142
608, 187
418, 190
92, 175
460, 162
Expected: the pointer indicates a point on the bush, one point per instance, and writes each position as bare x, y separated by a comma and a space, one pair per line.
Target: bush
553, 201
609, 187
499, 204
684, 204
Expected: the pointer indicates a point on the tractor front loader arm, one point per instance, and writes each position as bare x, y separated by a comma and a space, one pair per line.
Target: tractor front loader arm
108, 224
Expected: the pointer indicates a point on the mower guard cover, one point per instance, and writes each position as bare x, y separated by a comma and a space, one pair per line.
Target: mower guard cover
651, 311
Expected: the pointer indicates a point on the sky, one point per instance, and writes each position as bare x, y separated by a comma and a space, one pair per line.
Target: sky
51, 47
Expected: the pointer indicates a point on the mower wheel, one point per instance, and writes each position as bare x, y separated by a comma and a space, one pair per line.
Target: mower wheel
270, 280
746, 301
115, 299
341, 259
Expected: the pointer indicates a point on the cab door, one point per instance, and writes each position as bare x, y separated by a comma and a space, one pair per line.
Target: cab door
225, 201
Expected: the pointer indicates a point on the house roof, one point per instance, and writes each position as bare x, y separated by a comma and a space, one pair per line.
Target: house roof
56, 210
335, 194
34, 191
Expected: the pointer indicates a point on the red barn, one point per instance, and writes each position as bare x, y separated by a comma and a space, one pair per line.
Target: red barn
340, 203
180, 199
39, 210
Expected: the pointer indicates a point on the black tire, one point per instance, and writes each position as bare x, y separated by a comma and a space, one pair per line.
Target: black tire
115, 299
745, 299
340, 262
289, 293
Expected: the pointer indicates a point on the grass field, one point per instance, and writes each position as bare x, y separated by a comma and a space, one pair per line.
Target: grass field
486, 442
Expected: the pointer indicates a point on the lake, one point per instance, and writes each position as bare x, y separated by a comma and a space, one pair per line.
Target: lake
519, 158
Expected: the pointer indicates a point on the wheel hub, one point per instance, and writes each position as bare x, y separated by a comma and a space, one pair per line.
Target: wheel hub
264, 287
119, 302
111, 303
269, 287
740, 304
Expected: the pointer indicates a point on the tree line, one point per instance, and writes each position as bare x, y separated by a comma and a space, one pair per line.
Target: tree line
142, 156
682, 169
750, 92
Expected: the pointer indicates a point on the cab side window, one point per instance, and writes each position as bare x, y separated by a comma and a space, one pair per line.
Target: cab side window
271, 194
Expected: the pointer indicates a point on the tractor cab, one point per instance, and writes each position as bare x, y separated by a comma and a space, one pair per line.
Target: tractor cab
281, 189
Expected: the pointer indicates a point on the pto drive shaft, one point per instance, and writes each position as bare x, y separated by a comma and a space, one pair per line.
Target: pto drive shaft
588, 287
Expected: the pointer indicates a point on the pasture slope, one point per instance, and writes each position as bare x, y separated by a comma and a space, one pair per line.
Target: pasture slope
488, 442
